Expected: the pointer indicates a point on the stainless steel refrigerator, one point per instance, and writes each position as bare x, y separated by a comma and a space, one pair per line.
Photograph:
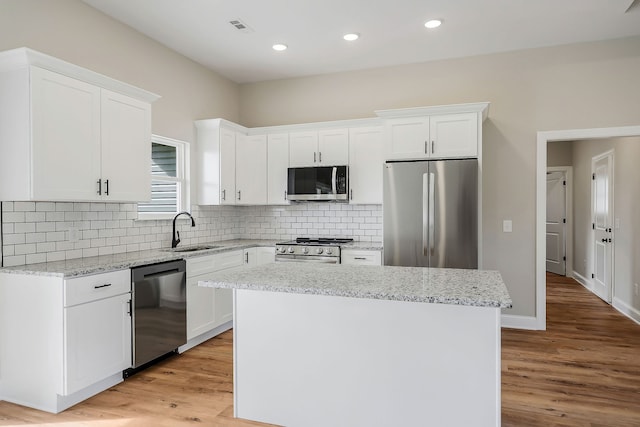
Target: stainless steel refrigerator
430, 213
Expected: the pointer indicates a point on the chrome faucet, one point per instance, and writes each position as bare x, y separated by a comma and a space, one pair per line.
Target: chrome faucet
175, 236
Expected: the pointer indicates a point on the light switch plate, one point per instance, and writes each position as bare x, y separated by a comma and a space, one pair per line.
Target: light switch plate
507, 226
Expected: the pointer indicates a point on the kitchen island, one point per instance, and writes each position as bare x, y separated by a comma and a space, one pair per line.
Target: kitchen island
344, 345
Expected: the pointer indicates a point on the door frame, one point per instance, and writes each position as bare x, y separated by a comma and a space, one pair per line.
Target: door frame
543, 137
568, 209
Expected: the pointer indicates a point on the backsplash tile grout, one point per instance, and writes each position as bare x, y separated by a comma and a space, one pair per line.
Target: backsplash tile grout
36, 232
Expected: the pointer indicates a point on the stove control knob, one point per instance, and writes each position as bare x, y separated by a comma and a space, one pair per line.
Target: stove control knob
291, 249
319, 251
305, 250
281, 249
329, 251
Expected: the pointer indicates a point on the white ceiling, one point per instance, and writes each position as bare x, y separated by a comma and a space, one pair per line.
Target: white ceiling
392, 31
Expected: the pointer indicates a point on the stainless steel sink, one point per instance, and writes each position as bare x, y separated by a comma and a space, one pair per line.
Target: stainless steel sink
193, 248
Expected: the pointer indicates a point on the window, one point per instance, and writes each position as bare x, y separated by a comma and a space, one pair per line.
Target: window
169, 179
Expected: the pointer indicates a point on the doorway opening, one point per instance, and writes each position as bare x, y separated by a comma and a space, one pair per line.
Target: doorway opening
543, 138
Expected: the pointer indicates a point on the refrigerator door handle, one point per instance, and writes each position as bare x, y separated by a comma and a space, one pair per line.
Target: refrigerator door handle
432, 213
334, 174
425, 213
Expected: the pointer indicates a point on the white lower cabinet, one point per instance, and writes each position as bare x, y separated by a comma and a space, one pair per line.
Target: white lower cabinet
361, 257
98, 341
62, 341
211, 308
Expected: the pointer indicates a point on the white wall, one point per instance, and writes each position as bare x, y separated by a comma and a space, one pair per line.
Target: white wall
626, 210
568, 87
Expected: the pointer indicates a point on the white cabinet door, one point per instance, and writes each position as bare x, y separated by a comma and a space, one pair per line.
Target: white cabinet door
407, 138
265, 255
97, 341
277, 164
251, 170
200, 307
126, 148
454, 135
365, 165
227, 161
65, 137
333, 147
303, 149
250, 257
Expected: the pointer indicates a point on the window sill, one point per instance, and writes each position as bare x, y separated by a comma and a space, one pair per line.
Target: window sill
155, 216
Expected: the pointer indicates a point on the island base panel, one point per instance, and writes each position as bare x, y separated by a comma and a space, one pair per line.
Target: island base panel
311, 360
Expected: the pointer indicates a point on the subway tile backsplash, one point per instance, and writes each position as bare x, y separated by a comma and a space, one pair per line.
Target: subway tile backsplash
52, 231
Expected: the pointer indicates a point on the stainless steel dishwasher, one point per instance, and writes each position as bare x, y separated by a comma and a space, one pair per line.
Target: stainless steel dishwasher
159, 315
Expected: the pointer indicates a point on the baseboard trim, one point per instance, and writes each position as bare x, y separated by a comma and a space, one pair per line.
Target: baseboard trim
627, 310
513, 321
583, 281
206, 336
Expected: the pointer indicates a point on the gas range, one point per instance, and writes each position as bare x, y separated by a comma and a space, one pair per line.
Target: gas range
303, 249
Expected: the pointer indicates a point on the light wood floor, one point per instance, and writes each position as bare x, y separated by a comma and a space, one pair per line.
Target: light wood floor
583, 371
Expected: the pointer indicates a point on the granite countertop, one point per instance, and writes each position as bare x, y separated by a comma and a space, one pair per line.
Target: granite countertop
105, 263
480, 288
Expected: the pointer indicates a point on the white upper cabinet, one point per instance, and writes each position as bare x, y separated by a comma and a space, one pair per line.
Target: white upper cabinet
216, 145
251, 170
333, 147
365, 165
408, 138
126, 162
74, 135
327, 147
303, 149
454, 135
277, 164
448, 131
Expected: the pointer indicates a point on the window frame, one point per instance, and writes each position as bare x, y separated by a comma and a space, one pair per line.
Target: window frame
182, 178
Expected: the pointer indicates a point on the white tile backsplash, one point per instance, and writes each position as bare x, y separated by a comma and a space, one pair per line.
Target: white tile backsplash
39, 231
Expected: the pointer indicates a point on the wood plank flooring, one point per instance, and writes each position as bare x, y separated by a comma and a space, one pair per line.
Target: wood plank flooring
584, 371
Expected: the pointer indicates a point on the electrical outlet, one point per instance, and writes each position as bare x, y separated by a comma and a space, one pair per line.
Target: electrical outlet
507, 226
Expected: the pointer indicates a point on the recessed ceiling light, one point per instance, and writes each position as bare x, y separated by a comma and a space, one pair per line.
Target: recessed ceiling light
279, 47
434, 23
351, 37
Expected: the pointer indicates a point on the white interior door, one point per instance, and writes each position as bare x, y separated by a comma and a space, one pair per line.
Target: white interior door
602, 218
556, 222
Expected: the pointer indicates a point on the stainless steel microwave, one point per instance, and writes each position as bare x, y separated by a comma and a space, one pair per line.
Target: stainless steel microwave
319, 183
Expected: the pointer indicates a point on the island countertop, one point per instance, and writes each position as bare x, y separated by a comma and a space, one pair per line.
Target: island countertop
480, 288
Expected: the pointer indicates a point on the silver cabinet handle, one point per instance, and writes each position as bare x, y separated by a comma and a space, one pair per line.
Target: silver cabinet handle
285, 194
314, 157
426, 149
433, 147
102, 286
239, 195
319, 156
359, 258
99, 182
224, 194
246, 257
351, 194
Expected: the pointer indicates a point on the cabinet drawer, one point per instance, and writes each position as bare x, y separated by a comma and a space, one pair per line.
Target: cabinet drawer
361, 257
227, 260
90, 288
200, 265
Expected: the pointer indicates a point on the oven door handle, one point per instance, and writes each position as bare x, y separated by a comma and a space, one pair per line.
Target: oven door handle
320, 260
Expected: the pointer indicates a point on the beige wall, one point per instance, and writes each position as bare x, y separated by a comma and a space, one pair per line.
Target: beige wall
568, 87
75, 32
626, 210
560, 153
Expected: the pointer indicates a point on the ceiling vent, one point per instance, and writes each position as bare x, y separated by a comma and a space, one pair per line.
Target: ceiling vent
241, 26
